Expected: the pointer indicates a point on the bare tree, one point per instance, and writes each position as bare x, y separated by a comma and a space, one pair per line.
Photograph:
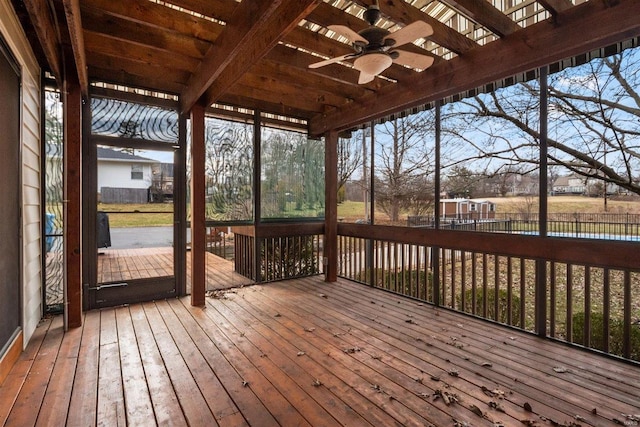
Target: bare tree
594, 123
403, 164
349, 157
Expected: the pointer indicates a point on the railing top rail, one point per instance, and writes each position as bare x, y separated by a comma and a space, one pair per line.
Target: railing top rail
604, 253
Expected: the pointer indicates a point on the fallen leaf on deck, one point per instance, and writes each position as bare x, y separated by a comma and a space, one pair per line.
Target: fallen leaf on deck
245, 383
435, 377
530, 423
316, 383
411, 321
447, 398
487, 364
309, 329
495, 405
351, 350
323, 296
560, 369
277, 315
453, 372
476, 410
527, 407
301, 353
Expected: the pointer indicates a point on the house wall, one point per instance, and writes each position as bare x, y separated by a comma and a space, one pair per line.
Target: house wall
116, 174
30, 153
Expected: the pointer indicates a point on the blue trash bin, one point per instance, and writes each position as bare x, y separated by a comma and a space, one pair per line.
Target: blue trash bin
49, 229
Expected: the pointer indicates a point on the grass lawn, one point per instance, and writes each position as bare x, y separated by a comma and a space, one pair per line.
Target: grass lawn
138, 215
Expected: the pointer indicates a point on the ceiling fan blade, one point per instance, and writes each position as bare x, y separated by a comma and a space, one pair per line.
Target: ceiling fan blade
411, 32
413, 60
365, 78
347, 32
330, 61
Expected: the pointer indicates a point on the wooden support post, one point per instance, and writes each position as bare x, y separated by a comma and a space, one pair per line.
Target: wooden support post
331, 207
73, 199
198, 226
180, 208
541, 266
257, 195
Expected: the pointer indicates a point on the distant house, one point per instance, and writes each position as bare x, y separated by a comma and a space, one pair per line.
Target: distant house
124, 177
467, 209
570, 184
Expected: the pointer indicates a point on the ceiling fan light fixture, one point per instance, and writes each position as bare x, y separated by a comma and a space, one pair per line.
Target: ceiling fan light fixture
372, 63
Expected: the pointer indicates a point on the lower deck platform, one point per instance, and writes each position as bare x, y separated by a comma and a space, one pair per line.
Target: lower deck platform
305, 352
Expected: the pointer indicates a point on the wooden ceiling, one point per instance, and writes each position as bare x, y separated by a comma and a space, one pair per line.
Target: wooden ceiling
255, 54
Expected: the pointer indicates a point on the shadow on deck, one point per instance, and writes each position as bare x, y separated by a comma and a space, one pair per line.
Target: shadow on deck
305, 352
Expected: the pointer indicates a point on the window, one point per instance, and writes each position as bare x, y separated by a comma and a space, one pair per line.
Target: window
136, 172
473, 207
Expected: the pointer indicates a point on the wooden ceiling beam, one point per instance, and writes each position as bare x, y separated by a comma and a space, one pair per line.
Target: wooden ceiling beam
150, 36
219, 9
161, 17
123, 77
43, 21
532, 47
556, 6
96, 42
445, 36
278, 93
252, 30
233, 99
74, 25
317, 100
484, 13
124, 66
268, 67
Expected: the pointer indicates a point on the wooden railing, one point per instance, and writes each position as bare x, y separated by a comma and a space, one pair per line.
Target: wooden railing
581, 291
270, 252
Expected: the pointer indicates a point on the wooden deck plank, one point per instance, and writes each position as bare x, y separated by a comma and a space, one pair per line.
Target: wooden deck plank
136, 392
406, 391
110, 406
345, 403
530, 382
280, 408
193, 404
84, 396
166, 406
281, 370
250, 405
251, 357
408, 356
221, 405
33, 391
10, 388
587, 377
55, 404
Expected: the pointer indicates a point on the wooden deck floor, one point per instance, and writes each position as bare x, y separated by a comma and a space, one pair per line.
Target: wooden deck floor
304, 352
116, 265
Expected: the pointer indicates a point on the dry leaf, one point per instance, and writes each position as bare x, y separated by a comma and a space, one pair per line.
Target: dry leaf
323, 296
245, 383
316, 383
301, 353
309, 329
560, 369
527, 407
495, 405
476, 410
454, 372
487, 365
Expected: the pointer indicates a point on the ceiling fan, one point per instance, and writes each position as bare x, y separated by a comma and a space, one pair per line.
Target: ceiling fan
375, 47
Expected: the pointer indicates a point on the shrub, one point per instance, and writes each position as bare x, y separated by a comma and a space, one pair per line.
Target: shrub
503, 313
616, 334
404, 282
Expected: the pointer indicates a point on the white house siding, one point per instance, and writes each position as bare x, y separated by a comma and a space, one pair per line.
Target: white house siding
30, 153
117, 174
